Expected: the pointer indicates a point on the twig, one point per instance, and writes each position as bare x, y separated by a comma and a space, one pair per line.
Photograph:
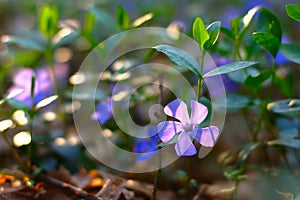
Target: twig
75, 190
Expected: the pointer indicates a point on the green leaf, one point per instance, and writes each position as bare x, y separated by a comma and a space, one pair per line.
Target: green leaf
227, 32
45, 102
236, 25
48, 21
256, 81
122, 18
289, 107
291, 52
11, 95
268, 41
289, 142
172, 141
268, 22
231, 67
18, 104
86, 94
103, 17
213, 31
180, 58
293, 11
236, 101
25, 43
200, 33
246, 152
285, 84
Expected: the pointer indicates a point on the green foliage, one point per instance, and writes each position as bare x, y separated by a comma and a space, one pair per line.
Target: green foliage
180, 58
293, 11
122, 18
268, 41
48, 21
213, 31
200, 33
291, 52
269, 23
231, 67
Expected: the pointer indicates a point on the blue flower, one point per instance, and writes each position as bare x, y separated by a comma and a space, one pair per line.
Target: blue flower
146, 146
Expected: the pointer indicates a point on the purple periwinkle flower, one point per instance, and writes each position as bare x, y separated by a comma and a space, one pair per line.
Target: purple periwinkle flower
44, 83
187, 127
146, 146
103, 111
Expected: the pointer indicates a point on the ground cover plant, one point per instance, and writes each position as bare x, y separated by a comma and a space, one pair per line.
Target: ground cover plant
136, 100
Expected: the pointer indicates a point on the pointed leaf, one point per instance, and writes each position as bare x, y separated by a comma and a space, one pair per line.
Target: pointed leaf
255, 82
246, 152
45, 102
200, 33
122, 18
11, 95
231, 67
268, 41
290, 142
213, 31
291, 52
104, 17
293, 11
48, 21
268, 22
289, 107
180, 58
25, 43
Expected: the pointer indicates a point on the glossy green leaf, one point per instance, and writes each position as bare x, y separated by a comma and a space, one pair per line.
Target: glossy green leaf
25, 43
227, 32
289, 107
290, 142
200, 33
213, 31
122, 18
104, 17
291, 52
89, 23
268, 41
293, 11
268, 22
180, 58
255, 82
236, 25
231, 67
48, 21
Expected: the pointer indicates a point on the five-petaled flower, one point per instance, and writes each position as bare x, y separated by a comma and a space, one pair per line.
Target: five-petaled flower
187, 127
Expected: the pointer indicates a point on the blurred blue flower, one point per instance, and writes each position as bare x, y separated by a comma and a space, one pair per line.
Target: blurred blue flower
146, 146
187, 127
44, 83
103, 111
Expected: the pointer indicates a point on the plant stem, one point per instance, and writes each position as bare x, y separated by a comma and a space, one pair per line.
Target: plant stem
200, 80
15, 153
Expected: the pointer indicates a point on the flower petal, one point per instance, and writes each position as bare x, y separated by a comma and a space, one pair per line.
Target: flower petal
167, 130
184, 145
206, 136
199, 112
178, 109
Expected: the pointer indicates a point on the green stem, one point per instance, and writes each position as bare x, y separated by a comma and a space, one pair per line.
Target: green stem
200, 80
15, 153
